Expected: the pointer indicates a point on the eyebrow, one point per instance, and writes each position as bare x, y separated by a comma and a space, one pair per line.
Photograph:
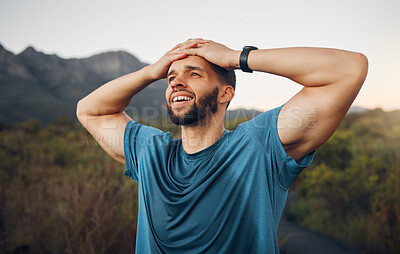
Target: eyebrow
187, 67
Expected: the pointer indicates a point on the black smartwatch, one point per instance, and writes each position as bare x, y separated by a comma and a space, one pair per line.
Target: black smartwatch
243, 58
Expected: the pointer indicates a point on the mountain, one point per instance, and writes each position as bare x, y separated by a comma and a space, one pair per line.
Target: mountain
37, 85
356, 110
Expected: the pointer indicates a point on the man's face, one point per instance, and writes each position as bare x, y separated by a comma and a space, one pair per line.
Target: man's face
192, 92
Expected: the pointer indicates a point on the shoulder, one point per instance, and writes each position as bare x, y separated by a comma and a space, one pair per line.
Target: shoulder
141, 134
262, 129
262, 122
133, 127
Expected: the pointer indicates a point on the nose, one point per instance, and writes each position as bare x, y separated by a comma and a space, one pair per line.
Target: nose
178, 82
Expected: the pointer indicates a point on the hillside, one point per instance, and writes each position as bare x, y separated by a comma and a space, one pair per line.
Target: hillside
61, 193
37, 85
351, 191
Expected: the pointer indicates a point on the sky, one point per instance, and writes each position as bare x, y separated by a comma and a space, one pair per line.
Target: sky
148, 29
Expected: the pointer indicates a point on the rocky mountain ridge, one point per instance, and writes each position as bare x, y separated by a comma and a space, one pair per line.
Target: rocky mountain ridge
43, 86
37, 85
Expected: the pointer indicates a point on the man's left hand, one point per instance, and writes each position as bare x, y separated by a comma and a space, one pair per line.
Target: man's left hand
213, 52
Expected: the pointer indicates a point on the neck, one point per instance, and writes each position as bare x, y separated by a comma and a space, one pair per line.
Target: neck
202, 135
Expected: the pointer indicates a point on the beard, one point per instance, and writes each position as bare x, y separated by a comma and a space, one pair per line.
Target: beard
207, 105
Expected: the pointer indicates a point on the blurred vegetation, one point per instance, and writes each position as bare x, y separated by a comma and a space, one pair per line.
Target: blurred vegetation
351, 192
61, 193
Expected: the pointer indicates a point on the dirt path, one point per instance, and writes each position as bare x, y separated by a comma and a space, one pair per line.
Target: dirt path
294, 239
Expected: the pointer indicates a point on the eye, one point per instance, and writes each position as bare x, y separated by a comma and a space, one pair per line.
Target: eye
171, 79
195, 74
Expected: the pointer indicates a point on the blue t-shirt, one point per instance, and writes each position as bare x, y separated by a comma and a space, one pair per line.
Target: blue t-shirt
227, 198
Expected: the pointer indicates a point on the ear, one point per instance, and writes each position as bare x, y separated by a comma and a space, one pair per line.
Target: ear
226, 95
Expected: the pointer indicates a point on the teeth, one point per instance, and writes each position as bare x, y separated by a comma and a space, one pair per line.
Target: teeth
182, 98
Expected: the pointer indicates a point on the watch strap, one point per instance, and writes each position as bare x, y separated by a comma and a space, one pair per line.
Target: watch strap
243, 58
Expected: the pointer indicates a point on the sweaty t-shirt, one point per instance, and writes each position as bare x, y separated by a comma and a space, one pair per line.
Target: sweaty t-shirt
227, 198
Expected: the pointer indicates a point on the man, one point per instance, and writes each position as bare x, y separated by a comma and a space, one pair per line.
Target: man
213, 190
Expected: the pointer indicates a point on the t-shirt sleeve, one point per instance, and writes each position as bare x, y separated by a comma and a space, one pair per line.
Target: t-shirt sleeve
285, 169
136, 136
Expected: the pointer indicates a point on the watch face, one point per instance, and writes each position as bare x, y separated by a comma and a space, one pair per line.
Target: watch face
250, 47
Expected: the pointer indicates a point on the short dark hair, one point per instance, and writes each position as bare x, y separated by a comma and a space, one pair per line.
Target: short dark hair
225, 76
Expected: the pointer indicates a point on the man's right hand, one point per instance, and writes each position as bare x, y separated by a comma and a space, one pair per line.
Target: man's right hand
159, 69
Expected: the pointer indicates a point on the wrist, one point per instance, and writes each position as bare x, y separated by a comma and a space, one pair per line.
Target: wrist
149, 74
234, 63
243, 59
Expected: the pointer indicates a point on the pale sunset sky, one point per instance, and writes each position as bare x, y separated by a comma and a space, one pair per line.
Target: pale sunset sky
147, 29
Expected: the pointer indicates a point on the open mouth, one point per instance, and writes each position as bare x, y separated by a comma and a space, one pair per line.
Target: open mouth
181, 99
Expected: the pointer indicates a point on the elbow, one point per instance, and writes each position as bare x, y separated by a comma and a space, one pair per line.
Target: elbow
355, 69
363, 63
361, 67
79, 111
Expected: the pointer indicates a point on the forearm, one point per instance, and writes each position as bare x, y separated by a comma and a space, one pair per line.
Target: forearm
114, 96
309, 66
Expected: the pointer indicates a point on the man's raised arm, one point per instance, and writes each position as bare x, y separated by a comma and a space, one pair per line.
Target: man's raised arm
331, 78
102, 111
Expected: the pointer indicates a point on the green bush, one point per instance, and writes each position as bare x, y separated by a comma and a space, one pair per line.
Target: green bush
351, 191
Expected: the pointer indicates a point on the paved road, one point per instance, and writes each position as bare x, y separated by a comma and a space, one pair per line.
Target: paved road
294, 239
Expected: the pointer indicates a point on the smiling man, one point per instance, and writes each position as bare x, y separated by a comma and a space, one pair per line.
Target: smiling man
182, 106
213, 190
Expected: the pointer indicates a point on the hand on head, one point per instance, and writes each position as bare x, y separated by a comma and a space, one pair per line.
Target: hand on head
212, 51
